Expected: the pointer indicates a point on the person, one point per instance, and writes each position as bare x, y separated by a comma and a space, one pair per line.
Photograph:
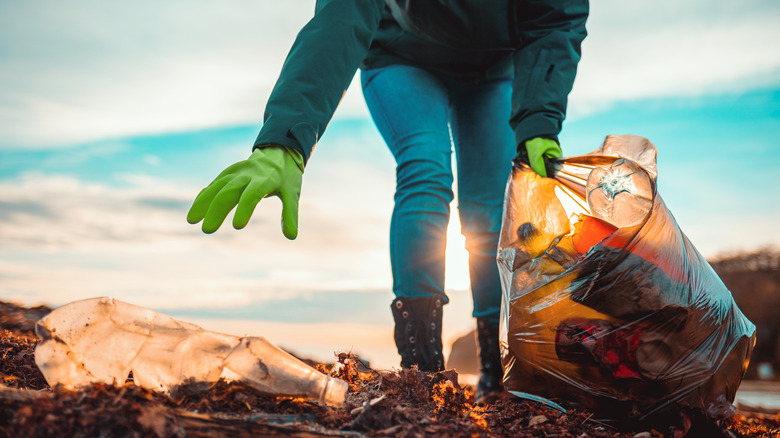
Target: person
489, 79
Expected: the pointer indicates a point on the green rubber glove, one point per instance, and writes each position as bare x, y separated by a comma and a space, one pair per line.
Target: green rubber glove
270, 171
540, 148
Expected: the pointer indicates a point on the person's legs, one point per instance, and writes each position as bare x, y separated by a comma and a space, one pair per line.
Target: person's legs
484, 147
410, 109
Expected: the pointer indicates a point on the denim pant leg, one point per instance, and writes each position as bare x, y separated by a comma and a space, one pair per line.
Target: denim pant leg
484, 148
410, 108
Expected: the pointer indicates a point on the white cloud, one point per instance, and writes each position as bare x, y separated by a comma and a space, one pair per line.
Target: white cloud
666, 49
85, 70
63, 238
152, 160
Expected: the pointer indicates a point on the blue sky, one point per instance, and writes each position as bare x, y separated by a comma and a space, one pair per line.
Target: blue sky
114, 115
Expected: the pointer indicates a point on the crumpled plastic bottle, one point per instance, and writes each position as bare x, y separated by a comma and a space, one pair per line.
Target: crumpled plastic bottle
104, 339
620, 194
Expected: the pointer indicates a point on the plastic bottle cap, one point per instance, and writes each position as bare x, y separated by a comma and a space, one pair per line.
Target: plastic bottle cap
335, 392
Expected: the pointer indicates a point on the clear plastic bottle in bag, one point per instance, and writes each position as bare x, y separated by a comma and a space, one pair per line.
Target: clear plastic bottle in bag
621, 194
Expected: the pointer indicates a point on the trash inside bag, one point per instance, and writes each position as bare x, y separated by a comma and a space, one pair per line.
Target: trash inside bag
104, 340
607, 305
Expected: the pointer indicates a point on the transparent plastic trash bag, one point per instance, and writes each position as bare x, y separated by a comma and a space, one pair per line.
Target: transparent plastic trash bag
103, 340
607, 306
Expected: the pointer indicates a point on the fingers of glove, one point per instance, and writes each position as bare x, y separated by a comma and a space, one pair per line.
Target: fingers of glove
553, 151
537, 163
290, 213
254, 192
204, 199
223, 202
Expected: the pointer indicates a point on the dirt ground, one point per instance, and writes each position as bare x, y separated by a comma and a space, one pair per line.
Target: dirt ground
396, 403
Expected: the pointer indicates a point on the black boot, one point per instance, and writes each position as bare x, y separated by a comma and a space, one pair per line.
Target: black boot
418, 332
491, 372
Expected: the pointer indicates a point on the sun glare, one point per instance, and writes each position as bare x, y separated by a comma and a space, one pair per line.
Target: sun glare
572, 203
457, 262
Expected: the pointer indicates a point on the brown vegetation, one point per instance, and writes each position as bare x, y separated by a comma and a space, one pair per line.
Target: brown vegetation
388, 403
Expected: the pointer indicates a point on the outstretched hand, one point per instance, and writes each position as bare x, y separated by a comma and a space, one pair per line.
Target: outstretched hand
270, 171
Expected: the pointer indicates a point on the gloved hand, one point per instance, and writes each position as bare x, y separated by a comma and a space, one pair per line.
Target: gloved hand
540, 148
270, 171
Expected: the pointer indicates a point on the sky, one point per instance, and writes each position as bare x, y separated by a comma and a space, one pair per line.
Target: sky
113, 115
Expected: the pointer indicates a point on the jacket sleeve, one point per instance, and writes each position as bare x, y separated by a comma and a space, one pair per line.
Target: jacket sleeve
317, 72
550, 37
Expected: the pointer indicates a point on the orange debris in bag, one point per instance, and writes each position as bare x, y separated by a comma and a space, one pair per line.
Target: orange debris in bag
589, 231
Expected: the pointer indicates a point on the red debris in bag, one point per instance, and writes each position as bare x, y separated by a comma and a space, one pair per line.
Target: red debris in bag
600, 342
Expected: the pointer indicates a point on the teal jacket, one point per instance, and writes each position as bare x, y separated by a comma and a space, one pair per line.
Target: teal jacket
537, 41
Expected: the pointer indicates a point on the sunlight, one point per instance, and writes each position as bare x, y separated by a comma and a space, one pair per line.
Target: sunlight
572, 203
457, 261
457, 258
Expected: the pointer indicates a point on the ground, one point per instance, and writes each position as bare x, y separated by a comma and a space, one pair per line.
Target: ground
396, 403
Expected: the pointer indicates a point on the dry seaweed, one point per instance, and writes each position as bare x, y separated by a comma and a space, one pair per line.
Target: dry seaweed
397, 403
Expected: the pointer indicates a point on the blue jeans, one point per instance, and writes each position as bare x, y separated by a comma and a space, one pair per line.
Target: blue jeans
421, 115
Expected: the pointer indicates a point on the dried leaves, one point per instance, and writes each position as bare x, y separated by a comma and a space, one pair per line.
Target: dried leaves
17, 362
